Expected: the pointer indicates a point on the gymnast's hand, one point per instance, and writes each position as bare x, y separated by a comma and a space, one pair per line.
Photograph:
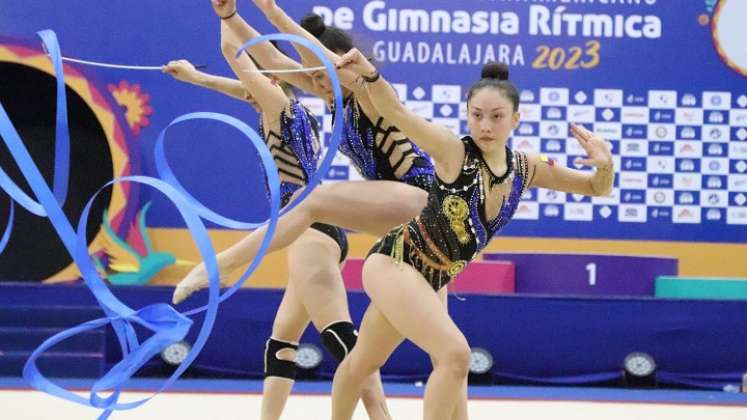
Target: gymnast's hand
356, 62
181, 70
223, 8
596, 147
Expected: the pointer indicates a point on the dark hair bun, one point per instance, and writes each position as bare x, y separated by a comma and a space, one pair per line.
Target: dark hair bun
314, 24
495, 70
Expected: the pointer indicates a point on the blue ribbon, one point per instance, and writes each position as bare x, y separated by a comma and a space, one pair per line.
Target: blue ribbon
168, 325
62, 140
8, 228
62, 130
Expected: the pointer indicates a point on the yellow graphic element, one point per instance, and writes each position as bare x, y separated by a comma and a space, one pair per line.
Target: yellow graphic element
571, 58
457, 210
136, 103
696, 259
107, 120
120, 259
124, 267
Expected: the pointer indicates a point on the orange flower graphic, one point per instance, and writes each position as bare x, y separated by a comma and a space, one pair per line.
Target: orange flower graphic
135, 102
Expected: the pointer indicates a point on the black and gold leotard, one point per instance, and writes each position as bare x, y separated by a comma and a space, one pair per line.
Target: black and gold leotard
452, 228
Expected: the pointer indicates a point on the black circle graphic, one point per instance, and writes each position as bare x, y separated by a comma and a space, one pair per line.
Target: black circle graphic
35, 251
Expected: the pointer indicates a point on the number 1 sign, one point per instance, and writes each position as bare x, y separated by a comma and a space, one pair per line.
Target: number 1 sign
586, 274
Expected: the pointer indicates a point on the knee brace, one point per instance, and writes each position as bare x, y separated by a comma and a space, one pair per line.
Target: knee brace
339, 338
279, 367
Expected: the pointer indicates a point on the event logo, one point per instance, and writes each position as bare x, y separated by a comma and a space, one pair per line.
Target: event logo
689, 100
742, 134
714, 182
552, 211
738, 150
632, 214
727, 28
686, 215
715, 150
528, 211
714, 199
687, 133
713, 215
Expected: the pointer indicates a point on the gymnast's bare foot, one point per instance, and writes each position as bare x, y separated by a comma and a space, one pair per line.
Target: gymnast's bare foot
196, 279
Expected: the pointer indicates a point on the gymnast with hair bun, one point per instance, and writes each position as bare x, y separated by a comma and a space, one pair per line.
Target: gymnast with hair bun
479, 184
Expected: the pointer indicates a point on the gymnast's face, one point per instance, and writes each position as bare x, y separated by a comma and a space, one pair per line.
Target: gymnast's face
322, 82
323, 85
491, 118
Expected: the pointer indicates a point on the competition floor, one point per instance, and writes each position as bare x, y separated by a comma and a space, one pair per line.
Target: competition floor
229, 400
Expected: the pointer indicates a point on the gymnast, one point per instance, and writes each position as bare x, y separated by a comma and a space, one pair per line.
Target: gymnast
479, 184
315, 291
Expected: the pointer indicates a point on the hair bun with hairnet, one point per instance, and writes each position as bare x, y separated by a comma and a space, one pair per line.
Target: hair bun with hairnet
495, 70
314, 24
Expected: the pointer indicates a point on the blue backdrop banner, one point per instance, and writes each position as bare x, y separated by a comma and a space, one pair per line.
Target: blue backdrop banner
664, 83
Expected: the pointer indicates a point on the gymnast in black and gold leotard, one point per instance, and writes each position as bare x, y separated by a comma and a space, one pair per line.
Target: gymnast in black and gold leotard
479, 183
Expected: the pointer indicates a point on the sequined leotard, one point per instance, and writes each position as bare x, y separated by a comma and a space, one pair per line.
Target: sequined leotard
452, 228
296, 153
380, 153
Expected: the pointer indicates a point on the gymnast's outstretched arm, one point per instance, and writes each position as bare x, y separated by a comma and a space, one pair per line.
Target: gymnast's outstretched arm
277, 16
184, 71
260, 88
265, 53
438, 141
